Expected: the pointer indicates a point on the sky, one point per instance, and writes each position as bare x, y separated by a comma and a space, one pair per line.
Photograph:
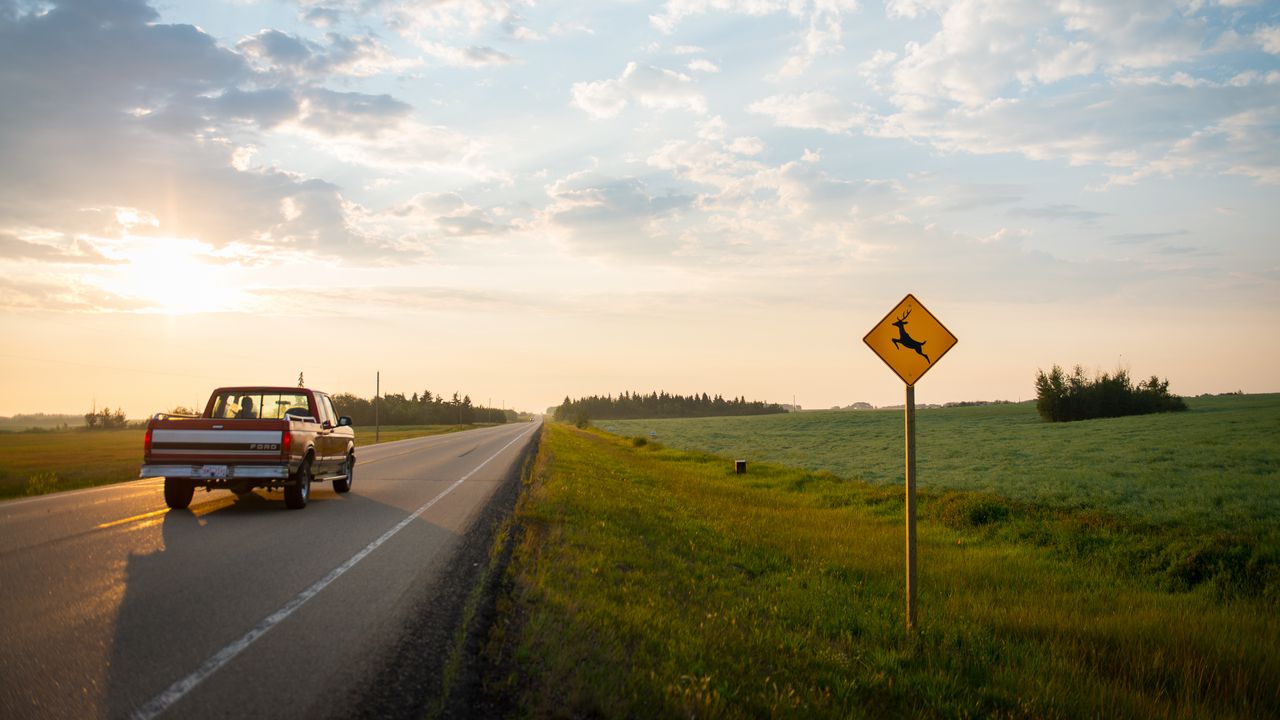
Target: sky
521, 200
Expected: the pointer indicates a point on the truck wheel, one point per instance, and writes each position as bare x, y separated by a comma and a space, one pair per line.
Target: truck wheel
343, 484
298, 492
178, 492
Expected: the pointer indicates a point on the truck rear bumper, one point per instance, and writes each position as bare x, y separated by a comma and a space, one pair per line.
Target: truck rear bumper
203, 472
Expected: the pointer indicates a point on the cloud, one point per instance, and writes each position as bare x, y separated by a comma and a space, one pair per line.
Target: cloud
1060, 211
1040, 80
261, 108
1246, 143
822, 21
703, 65
351, 113
1268, 38
431, 216
78, 251
815, 110
114, 109
363, 301
597, 215
292, 57
432, 23
1140, 238
58, 295
648, 86
475, 56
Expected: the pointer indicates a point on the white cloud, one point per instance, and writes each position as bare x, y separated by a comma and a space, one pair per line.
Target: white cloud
598, 215
1247, 143
474, 56
1040, 80
166, 101
822, 21
273, 51
673, 11
746, 146
432, 216
874, 69
984, 51
818, 111
1268, 38
650, 87
702, 65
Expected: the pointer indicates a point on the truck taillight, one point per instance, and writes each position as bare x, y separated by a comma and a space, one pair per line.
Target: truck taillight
146, 443
286, 442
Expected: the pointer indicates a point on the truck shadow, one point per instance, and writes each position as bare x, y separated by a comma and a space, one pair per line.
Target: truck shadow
217, 570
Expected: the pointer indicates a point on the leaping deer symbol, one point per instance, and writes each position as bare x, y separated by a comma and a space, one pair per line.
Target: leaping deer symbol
905, 340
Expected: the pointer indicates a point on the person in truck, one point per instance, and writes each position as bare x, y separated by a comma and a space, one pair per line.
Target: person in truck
246, 408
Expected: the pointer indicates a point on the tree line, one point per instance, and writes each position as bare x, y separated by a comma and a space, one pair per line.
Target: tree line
418, 409
105, 419
1061, 397
631, 406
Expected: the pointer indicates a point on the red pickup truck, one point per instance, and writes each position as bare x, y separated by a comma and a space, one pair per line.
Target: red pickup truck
252, 436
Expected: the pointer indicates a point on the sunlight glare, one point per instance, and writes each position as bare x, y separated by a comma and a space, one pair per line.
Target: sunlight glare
176, 276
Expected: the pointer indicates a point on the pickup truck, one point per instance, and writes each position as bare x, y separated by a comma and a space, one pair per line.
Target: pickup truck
277, 438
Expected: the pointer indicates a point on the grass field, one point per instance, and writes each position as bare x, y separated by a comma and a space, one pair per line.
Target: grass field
652, 582
1213, 468
32, 463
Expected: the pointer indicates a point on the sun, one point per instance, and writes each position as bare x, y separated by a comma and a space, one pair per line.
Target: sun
175, 276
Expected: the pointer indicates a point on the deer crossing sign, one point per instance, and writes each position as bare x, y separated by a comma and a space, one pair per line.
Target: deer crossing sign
910, 340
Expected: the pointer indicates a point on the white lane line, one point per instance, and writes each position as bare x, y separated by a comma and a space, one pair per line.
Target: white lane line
176, 691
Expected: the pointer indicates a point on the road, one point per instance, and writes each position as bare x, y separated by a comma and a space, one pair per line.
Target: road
113, 606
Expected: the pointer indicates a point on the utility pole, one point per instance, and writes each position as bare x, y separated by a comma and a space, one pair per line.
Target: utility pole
377, 425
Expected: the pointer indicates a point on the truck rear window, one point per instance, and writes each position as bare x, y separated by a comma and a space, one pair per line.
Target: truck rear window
251, 405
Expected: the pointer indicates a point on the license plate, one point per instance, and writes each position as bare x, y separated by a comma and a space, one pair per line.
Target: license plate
212, 471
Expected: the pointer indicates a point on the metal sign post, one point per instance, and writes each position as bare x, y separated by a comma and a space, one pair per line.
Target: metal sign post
910, 354
911, 506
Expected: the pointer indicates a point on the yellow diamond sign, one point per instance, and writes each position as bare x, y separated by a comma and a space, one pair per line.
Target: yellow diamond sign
910, 340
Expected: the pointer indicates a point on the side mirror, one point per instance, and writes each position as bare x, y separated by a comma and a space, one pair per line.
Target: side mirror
344, 421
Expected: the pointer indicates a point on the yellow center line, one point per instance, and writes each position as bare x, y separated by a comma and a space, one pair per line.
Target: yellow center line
127, 520
203, 509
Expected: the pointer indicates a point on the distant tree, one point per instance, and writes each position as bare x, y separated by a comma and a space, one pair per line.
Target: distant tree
105, 419
1061, 397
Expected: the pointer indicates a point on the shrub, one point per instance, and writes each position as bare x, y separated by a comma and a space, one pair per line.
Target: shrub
1061, 397
970, 510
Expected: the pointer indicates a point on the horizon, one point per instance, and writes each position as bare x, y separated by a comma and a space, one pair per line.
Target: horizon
519, 201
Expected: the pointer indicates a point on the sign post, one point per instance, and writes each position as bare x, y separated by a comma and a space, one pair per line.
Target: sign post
910, 355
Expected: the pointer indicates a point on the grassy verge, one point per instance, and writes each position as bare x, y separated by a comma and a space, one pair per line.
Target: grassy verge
654, 582
34, 463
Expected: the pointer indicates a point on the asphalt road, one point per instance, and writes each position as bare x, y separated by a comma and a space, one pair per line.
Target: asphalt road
113, 606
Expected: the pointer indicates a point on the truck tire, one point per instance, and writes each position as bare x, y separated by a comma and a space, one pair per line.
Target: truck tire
343, 484
298, 491
178, 492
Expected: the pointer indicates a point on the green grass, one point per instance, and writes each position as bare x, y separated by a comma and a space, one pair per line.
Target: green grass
1215, 468
34, 463
652, 582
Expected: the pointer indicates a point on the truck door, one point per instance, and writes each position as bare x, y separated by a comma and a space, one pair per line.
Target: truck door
329, 443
